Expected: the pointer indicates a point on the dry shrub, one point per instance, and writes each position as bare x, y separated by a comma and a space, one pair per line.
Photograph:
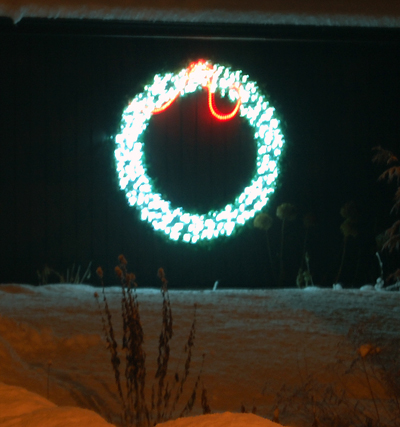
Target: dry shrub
366, 392
137, 409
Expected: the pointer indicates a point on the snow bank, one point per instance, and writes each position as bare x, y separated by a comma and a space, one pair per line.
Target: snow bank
255, 341
226, 419
21, 408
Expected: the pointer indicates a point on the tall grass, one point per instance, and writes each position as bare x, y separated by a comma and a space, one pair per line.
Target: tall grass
137, 408
73, 275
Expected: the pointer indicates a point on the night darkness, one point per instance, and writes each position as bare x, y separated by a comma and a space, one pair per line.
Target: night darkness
62, 96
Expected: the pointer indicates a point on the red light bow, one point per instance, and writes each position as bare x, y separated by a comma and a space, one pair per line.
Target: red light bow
202, 66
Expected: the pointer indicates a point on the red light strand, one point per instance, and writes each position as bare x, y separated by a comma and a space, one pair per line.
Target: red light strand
211, 95
215, 113
165, 106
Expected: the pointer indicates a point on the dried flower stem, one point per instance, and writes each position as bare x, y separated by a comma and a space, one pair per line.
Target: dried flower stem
135, 411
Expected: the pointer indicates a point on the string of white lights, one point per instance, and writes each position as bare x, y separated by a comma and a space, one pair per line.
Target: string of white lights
132, 171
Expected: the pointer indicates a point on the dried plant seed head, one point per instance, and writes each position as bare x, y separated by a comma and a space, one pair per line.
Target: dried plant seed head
131, 277
383, 156
349, 228
263, 221
99, 272
122, 260
118, 271
161, 273
96, 295
286, 212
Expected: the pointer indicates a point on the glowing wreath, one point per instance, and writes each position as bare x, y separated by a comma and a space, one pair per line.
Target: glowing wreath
248, 103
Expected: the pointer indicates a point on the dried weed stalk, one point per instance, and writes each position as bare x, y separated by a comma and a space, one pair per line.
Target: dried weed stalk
136, 410
374, 367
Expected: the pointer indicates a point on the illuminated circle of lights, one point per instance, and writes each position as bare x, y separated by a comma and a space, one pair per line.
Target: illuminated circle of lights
249, 103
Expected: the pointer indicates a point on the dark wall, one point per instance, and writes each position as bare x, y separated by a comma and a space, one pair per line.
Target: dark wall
61, 98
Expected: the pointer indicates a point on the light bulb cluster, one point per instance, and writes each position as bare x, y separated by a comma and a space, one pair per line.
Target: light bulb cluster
132, 171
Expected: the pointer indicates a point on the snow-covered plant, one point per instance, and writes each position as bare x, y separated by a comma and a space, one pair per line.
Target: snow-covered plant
380, 281
304, 277
391, 174
349, 227
165, 392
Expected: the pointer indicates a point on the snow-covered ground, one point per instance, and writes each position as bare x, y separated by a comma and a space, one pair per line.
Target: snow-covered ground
254, 341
